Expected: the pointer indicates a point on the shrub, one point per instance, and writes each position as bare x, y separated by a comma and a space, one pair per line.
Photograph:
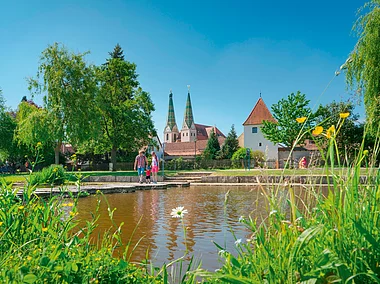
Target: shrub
53, 175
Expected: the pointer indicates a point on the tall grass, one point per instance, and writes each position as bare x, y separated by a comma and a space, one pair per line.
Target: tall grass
335, 239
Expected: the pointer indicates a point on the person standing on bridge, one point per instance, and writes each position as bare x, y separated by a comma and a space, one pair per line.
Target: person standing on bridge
155, 167
140, 163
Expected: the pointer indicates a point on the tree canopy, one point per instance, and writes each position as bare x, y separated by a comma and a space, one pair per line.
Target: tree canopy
350, 134
7, 127
124, 109
231, 144
363, 72
212, 148
68, 84
286, 112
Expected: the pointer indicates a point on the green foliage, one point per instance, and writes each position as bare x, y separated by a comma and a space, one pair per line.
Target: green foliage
52, 175
363, 71
334, 238
239, 156
32, 126
350, 134
258, 158
7, 128
286, 130
124, 109
69, 84
212, 149
230, 145
38, 244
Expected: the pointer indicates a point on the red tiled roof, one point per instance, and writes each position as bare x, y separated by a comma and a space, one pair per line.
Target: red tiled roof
258, 114
181, 149
203, 131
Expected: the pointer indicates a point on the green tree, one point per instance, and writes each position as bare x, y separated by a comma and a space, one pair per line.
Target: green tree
33, 126
363, 72
68, 84
350, 134
124, 109
212, 148
7, 127
287, 129
230, 145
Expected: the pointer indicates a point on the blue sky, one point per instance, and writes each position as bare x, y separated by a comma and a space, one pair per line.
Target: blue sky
228, 51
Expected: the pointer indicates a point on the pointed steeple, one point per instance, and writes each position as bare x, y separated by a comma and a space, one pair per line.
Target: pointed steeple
170, 122
188, 119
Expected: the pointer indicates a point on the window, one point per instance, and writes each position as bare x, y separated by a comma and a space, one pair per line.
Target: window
167, 137
260, 144
183, 134
175, 137
254, 129
187, 133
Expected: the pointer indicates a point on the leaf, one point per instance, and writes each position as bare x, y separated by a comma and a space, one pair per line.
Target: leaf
74, 267
367, 235
30, 278
44, 261
310, 281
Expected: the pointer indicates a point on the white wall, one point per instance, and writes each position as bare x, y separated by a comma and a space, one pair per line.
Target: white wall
253, 140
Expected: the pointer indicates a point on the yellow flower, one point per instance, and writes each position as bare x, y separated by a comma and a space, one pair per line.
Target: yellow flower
73, 213
55, 170
344, 114
318, 130
70, 204
365, 153
44, 229
21, 207
330, 132
29, 258
301, 119
39, 144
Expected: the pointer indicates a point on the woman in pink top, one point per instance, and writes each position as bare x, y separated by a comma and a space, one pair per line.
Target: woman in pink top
155, 167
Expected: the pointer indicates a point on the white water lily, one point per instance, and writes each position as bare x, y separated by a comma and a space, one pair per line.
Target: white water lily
238, 242
178, 212
241, 219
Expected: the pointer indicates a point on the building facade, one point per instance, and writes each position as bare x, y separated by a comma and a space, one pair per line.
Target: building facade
253, 136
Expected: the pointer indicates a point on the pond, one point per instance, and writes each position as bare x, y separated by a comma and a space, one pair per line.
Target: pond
208, 220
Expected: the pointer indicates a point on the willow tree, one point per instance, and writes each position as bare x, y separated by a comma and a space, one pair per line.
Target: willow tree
363, 66
124, 109
33, 126
68, 85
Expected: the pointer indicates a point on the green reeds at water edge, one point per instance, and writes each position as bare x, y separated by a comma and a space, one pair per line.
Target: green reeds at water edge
335, 239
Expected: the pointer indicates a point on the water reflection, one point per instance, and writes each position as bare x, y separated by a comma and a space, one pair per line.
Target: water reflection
163, 240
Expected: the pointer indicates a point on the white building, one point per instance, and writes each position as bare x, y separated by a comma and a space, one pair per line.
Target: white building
253, 137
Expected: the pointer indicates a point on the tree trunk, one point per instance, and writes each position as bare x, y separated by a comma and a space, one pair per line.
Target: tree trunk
113, 158
56, 152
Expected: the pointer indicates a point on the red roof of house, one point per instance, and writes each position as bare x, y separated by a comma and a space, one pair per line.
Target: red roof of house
183, 149
203, 131
258, 114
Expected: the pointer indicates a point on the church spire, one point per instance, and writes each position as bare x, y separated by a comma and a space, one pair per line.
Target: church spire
188, 119
171, 115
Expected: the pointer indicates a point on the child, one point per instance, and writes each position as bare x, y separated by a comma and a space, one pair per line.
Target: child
147, 177
155, 167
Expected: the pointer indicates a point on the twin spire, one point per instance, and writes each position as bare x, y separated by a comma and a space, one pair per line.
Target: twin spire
188, 118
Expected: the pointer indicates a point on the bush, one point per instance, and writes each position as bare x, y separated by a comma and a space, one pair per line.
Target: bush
53, 175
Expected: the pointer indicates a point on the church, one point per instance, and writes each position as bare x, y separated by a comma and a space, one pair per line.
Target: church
192, 139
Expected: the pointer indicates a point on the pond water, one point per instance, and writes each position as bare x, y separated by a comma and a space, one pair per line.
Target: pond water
207, 221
